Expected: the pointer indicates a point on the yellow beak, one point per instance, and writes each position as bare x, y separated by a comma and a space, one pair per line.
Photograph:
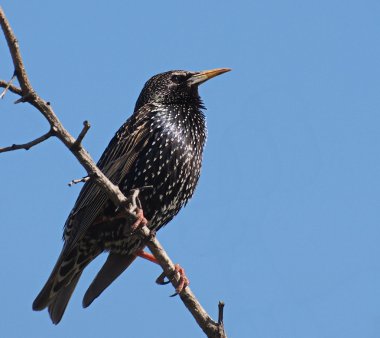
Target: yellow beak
203, 76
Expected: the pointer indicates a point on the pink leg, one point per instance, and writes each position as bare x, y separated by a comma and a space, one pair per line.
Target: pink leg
146, 255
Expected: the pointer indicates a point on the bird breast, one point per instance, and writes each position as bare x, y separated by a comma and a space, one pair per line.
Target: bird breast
172, 161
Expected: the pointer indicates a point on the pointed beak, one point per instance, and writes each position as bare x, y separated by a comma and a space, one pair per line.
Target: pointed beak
203, 76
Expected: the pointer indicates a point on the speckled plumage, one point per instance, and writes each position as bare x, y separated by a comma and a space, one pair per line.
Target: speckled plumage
160, 145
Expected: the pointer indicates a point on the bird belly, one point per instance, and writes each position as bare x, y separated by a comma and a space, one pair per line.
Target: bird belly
160, 204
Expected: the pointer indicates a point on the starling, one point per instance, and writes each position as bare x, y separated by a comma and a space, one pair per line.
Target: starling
160, 146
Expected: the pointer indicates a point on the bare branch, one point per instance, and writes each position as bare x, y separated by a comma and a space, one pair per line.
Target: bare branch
79, 180
28, 145
209, 327
22, 77
46, 110
27, 93
78, 141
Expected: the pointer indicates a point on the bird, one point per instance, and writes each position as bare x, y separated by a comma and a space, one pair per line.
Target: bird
160, 146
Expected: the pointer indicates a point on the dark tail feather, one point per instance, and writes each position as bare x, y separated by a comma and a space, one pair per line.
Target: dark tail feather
58, 306
62, 281
43, 298
112, 268
47, 293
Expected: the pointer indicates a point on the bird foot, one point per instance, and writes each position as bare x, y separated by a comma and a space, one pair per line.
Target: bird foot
120, 217
183, 281
140, 222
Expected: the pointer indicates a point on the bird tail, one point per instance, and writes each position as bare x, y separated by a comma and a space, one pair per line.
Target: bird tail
58, 289
59, 303
112, 268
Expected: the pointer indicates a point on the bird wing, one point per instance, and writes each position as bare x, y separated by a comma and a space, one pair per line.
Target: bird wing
115, 163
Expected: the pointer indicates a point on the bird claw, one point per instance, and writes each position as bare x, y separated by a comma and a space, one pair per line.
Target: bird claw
183, 281
140, 222
161, 279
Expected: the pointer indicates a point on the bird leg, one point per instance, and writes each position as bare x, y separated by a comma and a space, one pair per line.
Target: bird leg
147, 256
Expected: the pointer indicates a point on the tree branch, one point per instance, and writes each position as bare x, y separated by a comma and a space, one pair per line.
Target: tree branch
12, 42
209, 327
28, 94
28, 145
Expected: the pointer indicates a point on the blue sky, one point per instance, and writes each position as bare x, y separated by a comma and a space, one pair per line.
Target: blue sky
284, 226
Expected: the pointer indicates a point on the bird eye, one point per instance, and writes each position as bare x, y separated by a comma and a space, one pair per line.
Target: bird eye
178, 78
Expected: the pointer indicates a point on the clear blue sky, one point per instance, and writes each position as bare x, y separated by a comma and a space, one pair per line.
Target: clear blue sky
284, 226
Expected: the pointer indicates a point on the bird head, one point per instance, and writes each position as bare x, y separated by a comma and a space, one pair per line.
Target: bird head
176, 87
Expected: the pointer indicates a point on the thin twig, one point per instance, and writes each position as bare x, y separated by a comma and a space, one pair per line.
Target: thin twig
8, 85
12, 88
220, 312
27, 93
25, 98
78, 180
78, 141
28, 145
